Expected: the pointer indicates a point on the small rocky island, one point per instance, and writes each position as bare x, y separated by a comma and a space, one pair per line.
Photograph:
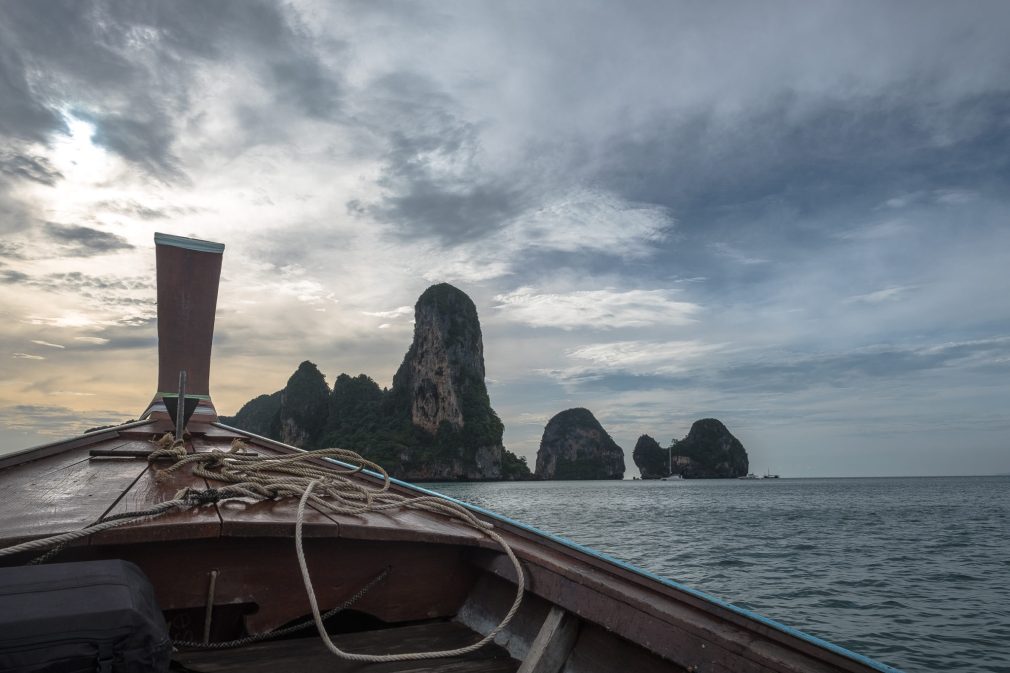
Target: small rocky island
435, 423
650, 458
709, 451
575, 446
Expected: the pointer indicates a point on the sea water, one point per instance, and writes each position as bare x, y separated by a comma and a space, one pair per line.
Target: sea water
913, 572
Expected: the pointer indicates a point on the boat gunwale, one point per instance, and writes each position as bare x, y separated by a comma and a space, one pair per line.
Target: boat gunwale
61, 445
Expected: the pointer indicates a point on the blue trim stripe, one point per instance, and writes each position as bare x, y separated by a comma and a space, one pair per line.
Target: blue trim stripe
778, 626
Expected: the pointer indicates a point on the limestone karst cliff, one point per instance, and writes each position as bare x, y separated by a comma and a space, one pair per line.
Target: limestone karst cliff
650, 458
435, 423
302, 413
710, 451
575, 446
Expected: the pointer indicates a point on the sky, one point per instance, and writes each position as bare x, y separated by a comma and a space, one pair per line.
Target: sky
791, 216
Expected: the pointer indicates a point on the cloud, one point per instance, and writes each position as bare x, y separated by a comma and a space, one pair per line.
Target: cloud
732, 253
141, 211
56, 421
690, 365
601, 309
880, 296
46, 343
400, 312
11, 250
134, 70
26, 166
96, 341
85, 241
662, 356
27, 356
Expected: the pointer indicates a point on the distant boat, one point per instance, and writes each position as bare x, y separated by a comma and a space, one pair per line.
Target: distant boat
672, 477
769, 475
750, 476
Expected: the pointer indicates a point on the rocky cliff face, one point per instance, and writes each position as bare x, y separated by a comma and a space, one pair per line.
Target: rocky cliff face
710, 451
650, 458
303, 408
445, 364
435, 423
575, 446
441, 385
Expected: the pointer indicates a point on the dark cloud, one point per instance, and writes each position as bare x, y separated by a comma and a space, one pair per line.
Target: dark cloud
85, 241
139, 210
82, 281
809, 155
28, 167
784, 373
13, 277
10, 250
433, 179
144, 142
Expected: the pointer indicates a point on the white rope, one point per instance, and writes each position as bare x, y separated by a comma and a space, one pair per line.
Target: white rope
275, 477
65, 538
410, 656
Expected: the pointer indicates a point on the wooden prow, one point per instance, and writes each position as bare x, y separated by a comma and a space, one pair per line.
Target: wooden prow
189, 271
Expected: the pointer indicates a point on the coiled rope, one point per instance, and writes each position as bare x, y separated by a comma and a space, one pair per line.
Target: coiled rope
327, 488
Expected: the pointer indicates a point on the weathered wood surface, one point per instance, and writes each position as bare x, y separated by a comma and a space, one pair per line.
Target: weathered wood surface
684, 634
151, 489
61, 492
553, 643
407, 525
599, 651
309, 655
424, 581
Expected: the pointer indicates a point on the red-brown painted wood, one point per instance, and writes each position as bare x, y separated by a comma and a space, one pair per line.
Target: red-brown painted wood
424, 582
151, 489
309, 655
61, 493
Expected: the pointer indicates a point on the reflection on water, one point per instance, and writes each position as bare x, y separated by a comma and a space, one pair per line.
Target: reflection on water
914, 572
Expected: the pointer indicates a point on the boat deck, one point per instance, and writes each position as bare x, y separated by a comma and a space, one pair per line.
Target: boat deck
69, 489
309, 655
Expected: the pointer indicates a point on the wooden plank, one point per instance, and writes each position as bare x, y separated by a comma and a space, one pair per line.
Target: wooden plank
553, 643
424, 581
150, 490
407, 524
599, 651
680, 633
309, 655
577, 563
60, 493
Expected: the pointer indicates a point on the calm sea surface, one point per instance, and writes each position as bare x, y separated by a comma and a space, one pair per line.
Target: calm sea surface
913, 572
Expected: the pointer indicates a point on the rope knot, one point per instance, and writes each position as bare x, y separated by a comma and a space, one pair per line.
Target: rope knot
195, 497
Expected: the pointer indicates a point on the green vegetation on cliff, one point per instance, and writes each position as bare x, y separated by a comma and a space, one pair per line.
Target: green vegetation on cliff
713, 450
651, 459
